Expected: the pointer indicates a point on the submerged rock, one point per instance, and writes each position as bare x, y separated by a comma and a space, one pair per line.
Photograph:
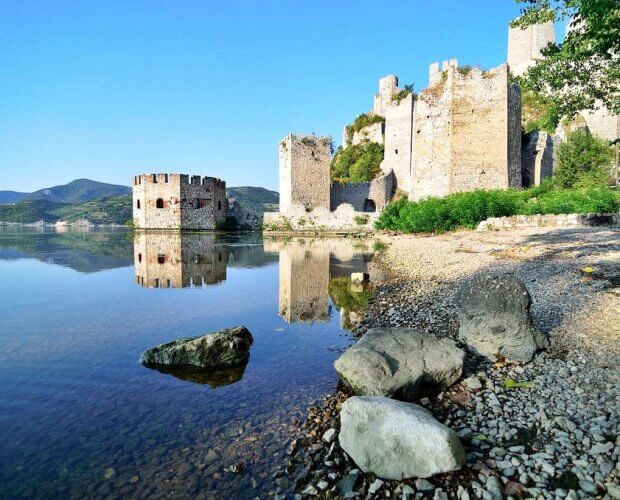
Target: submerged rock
397, 440
495, 318
222, 349
398, 362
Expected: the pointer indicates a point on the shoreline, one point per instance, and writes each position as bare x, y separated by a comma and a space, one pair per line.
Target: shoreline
558, 439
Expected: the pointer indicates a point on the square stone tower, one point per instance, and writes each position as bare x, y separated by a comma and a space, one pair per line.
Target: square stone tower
305, 172
525, 46
178, 202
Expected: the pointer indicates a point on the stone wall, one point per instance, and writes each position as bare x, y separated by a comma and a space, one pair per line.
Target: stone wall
177, 201
602, 123
399, 141
549, 220
342, 220
363, 196
536, 158
304, 171
525, 45
466, 132
370, 133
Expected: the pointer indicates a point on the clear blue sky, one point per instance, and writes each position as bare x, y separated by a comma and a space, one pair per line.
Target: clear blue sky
107, 89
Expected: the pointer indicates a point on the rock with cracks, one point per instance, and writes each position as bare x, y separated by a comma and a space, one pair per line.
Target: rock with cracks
399, 362
397, 440
222, 349
495, 319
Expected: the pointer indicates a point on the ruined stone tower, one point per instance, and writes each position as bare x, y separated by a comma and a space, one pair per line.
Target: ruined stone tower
525, 46
304, 172
178, 201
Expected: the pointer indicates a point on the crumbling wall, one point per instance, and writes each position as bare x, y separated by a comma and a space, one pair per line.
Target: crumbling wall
305, 172
204, 202
364, 196
388, 85
160, 199
536, 158
371, 133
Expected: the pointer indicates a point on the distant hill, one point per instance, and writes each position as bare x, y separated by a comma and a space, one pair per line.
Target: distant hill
11, 197
112, 210
45, 205
79, 191
256, 199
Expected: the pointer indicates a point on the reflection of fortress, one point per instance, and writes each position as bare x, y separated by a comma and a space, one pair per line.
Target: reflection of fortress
175, 260
306, 266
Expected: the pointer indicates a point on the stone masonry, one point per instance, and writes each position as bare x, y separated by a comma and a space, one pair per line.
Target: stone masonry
304, 172
525, 46
178, 202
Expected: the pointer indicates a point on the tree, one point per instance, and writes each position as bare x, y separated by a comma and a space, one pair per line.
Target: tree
584, 70
583, 161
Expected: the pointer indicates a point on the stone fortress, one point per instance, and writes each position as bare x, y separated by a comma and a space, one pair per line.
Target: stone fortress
462, 132
178, 201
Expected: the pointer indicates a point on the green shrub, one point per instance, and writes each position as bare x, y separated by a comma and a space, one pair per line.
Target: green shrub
583, 161
361, 220
538, 112
401, 94
466, 210
360, 122
359, 163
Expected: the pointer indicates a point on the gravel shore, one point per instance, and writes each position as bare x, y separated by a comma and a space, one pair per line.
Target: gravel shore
556, 435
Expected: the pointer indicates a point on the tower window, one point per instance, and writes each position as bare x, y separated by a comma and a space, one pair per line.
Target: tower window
138, 204
396, 151
161, 258
219, 205
159, 203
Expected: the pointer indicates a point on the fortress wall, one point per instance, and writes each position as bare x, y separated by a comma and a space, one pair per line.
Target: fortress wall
398, 141
370, 133
602, 123
537, 158
514, 136
305, 172
204, 203
479, 130
357, 194
388, 85
149, 189
432, 140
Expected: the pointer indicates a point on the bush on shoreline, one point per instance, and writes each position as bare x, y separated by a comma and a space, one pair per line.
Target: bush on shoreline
467, 210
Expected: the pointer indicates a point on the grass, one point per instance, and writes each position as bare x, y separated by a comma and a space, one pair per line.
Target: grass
467, 210
361, 220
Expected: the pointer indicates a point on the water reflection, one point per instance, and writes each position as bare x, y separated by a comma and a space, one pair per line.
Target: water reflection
213, 378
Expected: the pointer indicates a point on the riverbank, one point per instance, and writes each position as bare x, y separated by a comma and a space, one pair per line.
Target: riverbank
558, 438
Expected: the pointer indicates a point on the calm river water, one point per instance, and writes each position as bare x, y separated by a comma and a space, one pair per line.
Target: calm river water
81, 417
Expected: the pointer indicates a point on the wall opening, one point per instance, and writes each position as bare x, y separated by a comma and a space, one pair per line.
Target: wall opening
139, 257
138, 204
369, 205
219, 205
155, 178
161, 258
159, 203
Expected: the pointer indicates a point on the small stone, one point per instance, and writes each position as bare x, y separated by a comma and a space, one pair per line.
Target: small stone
322, 485
330, 435
310, 490
424, 485
109, 473
472, 383
587, 486
375, 486
134, 479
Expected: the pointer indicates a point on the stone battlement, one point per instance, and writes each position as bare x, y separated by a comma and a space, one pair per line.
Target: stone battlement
181, 179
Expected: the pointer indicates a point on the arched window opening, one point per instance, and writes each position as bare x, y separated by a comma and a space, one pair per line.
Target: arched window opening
159, 203
140, 257
138, 204
161, 258
219, 205
369, 205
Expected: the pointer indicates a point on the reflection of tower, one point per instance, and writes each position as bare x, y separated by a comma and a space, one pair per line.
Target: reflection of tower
175, 260
304, 280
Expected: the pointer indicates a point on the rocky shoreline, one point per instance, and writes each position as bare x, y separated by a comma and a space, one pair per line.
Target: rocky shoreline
548, 428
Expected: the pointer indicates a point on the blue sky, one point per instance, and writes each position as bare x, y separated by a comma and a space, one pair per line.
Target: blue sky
108, 89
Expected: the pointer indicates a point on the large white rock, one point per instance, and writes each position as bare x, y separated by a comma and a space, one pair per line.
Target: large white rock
398, 362
397, 440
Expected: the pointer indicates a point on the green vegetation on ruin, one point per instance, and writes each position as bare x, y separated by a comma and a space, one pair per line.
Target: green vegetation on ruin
467, 210
401, 94
358, 163
538, 112
360, 122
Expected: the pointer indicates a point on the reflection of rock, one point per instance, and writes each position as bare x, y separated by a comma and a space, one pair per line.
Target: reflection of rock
399, 362
495, 318
213, 378
226, 348
397, 440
